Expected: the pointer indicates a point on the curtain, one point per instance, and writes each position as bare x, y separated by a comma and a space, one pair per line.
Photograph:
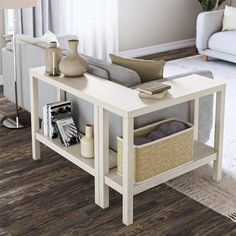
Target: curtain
95, 22
35, 21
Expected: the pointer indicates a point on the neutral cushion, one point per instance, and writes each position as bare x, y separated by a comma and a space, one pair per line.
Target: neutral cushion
223, 42
229, 20
148, 70
49, 37
63, 40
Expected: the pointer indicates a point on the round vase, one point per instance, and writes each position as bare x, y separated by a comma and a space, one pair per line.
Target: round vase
87, 143
73, 65
53, 57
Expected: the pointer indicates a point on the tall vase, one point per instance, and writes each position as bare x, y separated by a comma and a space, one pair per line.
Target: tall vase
53, 57
87, 143
73, 65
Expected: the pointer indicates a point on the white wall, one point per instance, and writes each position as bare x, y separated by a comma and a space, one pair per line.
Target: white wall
145, 23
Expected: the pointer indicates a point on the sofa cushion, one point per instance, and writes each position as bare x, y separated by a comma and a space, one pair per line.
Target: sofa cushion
223, 42
229, 21
49, 37
148, 70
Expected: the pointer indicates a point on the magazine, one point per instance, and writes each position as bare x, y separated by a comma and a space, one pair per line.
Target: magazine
53, 112
68, 132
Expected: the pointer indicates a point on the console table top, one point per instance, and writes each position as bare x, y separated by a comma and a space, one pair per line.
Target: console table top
125, 101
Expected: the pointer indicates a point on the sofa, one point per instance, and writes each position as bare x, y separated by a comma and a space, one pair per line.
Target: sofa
31, 54
211, 40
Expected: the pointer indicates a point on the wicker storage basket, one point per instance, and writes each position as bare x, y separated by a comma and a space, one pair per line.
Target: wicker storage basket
161, 155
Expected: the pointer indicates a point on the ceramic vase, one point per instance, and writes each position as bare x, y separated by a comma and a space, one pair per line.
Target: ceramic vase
53, 57
73, 65
87, 143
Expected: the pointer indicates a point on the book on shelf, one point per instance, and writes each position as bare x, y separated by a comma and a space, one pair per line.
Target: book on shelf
53, 112
160, 95
153, 87
68, 131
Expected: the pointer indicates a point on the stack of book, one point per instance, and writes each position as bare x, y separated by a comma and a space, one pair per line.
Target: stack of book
58, 122
153, 90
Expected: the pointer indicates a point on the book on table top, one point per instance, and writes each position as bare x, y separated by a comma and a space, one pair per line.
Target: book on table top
153, 87
160, 95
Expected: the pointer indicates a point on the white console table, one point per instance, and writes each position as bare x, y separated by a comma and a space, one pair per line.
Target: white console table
110, 97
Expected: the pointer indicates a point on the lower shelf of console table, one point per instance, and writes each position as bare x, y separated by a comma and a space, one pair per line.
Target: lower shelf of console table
72, 153
203, 154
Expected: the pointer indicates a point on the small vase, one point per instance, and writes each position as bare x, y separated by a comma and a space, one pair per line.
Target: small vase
73, 65
87, 143
53, 57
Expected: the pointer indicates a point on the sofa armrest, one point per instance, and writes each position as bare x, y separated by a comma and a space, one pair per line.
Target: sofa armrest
123, 76
208, 23
117, 74
63, 40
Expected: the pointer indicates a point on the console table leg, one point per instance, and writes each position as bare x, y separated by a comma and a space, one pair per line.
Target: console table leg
103, 156
96, 154
219, 131
128, 170
194, 116
34, 99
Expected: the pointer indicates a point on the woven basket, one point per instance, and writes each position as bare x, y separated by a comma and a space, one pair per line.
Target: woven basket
161, 155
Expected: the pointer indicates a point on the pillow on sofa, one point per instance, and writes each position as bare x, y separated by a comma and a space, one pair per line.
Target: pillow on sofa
50, 37
148, 70
229, 20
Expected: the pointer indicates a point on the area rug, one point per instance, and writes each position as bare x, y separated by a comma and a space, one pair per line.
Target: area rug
198, 184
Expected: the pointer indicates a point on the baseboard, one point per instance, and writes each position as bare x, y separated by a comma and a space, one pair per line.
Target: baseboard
158, 48
1, 80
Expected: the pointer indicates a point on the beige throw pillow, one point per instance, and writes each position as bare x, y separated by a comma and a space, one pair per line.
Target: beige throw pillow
148, 70
229, 20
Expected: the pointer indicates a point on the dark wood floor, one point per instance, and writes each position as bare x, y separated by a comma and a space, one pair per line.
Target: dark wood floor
54, 197
172, 55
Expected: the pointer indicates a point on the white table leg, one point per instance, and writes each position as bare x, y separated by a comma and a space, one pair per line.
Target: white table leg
34, 99
103, 156
194, 116
61, 95
96, 154
128, 170
219, 133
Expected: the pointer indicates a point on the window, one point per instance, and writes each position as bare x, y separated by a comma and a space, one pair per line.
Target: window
95, 22
9, 21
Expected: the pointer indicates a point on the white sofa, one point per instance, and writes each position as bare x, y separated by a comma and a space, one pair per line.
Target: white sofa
211, 40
